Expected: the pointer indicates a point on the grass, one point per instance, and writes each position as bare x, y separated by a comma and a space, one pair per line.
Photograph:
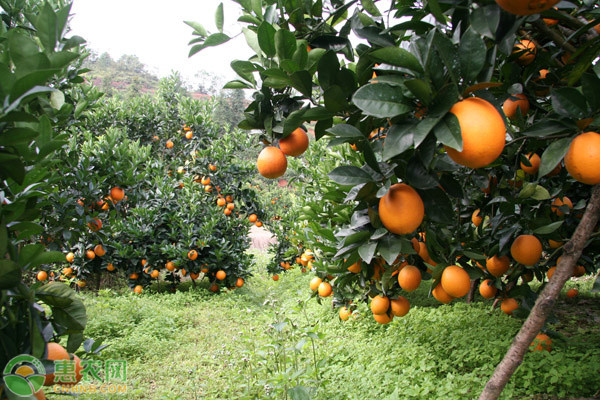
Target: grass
265, 341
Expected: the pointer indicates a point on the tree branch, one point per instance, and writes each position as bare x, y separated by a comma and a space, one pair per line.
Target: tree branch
558, 39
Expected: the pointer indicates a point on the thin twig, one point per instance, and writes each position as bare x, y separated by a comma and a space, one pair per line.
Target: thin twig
558, 39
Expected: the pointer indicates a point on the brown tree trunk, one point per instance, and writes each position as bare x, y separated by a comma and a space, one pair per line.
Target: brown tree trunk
544, 303
474, 286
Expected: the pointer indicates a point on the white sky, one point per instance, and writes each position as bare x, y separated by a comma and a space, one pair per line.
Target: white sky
154, 31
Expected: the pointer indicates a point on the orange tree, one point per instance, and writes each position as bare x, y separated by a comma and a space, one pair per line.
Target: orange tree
39, 71
462, 113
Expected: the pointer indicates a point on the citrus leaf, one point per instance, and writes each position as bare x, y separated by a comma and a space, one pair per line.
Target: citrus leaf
546, 229
380, 100
349, 175
553, 154
397, 57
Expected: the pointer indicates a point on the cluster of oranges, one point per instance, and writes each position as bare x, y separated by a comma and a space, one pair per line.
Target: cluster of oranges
272, 161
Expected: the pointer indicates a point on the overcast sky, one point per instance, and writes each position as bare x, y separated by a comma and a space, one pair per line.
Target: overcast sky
154, 31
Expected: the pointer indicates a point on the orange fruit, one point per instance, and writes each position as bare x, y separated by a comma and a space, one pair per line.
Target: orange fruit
556, 203
401, 209
99, 250
189, 135
205, 180
221, 202
344, 313
194, 275
227, 211
483, 133
551, 272
325, 289
82, 283
42, 276
170, 266
572, 293
192, 254
258, 224
117, 194
169, 144
579, 270
295, 143
476, 218
380, 304
239, 282
275, 277
542, 342
583, 157
70, 257
399, 306
212, 167
138, 289
356, 267
554, 244
155, 138
90, 254
514, 102
154, 274
527, 50
526, 249
271, 162
497, 266
535, 161
550, 21
382, 318
183, 272
314, 283
110, 267
68, 271
456, 281
230, 206
252, 218
208, 188
95, 225
526, 7
134, 276
144, 262
440, 294
214, 288
78, 369
409, 278
509, 305
54, 352
487, 289
221, 274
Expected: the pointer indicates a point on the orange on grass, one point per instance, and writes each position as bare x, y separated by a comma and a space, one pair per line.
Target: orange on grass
455, 281
572, 293
99, 250
483, 133
54, 352
583, 157
239, 282
170, 266
401, 209
356, 267
514, 102
90, 254
526, 7
117, 194
192, 254
476, 217
509, 305
535, 161
558, 202
275, 277
526, 50
70, 257
221, 274
295, 143
110, 267
400, 306
325, 289
169, 144
409, 278
542, 342
487, 290
497, 266
526, 249
344, 313
138, 289
380, 304
154, 274
42, 276
314, 283
440, 294
205, 180
271, 162
252, 218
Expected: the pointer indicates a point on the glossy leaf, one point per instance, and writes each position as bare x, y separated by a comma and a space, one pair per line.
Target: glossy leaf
553, 155
380, 100
398, 57
349, 175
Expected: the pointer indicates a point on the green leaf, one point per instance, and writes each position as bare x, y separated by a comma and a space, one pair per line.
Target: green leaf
591, 90
57, 99
399, 139
434, 7
448, 132
438, 207
349, 175
67, 309
472, 54
389, 247
380, 100
299, 393
285, 44
328, 68
417, 175
547, 127
345, 131
335, 99
317, 114
293, 121
419, 88
245, 69
219, 17
266, 38
569, 102
252, 40
302, 82
546, 229
553, 155
215, 39
15, 136
198, 28
10, 274
370, 7
237, 84
366, 251
540, 193
398, 57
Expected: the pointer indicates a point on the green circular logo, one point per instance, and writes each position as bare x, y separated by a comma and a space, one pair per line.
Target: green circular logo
24, 375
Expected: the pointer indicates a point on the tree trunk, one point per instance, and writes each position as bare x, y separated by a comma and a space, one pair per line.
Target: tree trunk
474, 286
544, 303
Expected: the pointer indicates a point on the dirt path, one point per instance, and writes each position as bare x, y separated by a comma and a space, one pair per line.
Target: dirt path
261, 238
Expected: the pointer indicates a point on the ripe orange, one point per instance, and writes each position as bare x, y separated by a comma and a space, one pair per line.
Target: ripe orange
154, 274
221, 274
542, 342
275, 277
579, 270
68, 271
583, 157
95, 225
440, 294
134, 276
572, 293
239, 282
144, 262
208, 188
356, 267
42, 276
476, 218
456, 281
565, 201
399, 306
258, 224
138, 289
82, 283
409, 278
271, 162
117, 194
110, 267
170, 266
535, 161
54, 352
227, 211
214, 288
70, 257
205, 180
212, 167
401, 209
526, 50
99, 250
183, 272
314, 283
192, 254
155, 138
344, 313
483, 133
509, 305
189, 135
230, 206
382, 318
424, 254
295, 143
526, 7
90, 254
526, 249
554, 244
325, 289
194, 275
380, 304
252, 218
513, 102
551, 272
487, 289
169, 144
497, 266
